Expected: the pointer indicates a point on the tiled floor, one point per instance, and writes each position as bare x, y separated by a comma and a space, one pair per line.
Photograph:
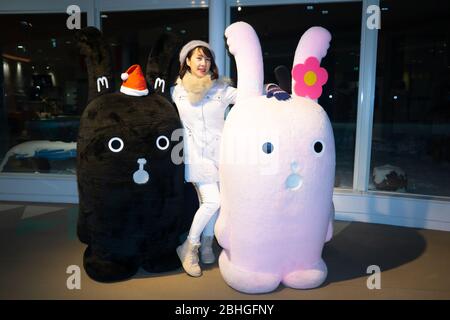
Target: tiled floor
38, 242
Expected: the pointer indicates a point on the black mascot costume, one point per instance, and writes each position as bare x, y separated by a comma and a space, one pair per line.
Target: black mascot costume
131, 192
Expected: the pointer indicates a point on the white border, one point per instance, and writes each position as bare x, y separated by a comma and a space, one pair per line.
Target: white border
133, 92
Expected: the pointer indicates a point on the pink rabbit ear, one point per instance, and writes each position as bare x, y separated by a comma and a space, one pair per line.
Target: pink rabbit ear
244, 44
313, 44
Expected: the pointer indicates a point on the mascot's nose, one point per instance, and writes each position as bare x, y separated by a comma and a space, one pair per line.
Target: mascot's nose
141, 176
294, 181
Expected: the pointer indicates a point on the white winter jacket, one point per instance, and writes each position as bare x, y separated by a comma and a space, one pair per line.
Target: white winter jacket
203, 123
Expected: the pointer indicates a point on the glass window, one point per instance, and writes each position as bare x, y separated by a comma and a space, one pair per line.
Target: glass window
131, 34
45, 80
339, 97
411, 130
43, 85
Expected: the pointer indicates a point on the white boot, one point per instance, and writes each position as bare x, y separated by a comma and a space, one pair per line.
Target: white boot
206, 250
188, 254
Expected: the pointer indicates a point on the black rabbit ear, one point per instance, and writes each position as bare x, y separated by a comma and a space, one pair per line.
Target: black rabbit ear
87, 36
96, 52
162, 64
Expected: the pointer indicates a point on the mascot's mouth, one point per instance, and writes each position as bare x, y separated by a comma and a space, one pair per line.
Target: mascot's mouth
294, 181
141, 176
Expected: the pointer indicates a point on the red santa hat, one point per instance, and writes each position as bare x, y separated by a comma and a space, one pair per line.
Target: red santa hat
134, 83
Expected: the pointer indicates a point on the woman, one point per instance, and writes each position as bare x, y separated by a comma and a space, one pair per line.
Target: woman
202, 98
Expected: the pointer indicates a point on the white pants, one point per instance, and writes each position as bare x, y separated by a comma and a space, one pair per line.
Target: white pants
206, 215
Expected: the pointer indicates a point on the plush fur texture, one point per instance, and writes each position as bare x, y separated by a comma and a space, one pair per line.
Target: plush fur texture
128, 222
276, 202
128, 225
163, 62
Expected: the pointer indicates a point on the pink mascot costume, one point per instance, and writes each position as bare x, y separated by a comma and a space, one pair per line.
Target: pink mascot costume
277, 166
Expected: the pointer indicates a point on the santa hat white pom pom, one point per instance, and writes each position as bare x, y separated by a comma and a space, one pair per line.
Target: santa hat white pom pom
124, 76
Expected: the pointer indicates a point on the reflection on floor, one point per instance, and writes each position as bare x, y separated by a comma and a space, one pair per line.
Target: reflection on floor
38, 243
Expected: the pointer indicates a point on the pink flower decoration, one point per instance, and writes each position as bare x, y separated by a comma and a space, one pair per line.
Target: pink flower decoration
309, 78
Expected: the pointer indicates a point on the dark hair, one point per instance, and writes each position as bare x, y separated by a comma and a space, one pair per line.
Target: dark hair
184, 67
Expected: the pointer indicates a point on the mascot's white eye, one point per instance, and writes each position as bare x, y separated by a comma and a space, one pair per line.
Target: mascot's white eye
115, 144
267, 147
162, 143
318, 147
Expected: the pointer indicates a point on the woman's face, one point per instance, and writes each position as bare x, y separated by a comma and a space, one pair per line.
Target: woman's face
199, 63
